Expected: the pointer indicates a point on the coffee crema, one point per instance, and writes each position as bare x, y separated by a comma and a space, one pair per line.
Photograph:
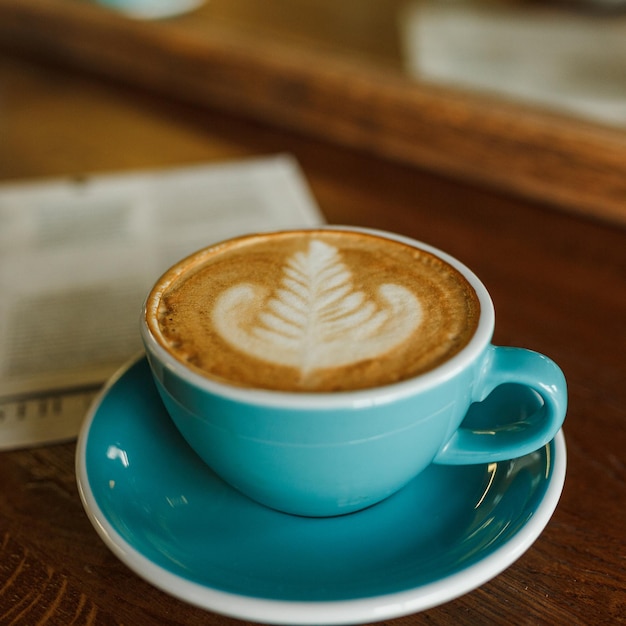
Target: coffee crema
312, 310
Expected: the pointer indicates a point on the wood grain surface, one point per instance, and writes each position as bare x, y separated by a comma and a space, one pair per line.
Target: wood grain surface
560, 161
557, 280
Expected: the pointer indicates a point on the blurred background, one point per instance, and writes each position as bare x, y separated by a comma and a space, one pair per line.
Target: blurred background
568, 55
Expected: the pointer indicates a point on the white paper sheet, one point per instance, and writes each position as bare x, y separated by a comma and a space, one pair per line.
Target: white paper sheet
566, 60
77, 258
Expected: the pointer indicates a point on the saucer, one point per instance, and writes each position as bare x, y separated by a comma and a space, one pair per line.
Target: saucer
169, 518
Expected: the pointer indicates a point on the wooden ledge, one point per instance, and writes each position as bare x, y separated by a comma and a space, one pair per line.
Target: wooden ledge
561, 161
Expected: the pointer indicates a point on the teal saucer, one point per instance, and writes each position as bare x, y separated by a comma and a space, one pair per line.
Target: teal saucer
167, 516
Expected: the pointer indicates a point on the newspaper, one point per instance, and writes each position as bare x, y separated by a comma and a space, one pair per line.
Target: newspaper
77, 258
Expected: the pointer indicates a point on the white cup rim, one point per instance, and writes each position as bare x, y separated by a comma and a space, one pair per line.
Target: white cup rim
341, 399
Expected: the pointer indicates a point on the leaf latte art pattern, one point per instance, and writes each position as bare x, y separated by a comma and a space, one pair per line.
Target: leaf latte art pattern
315, 318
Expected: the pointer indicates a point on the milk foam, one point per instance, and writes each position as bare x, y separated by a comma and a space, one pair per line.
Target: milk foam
322, 310
315, 319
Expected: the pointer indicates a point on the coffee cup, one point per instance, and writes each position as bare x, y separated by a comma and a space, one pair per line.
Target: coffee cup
318, 371
151, 9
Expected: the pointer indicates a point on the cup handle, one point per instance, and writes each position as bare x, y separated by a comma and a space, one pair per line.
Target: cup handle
490, 445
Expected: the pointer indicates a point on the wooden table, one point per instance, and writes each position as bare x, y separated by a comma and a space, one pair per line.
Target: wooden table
559, 285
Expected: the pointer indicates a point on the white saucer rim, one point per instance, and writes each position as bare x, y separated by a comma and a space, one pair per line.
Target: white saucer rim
353, 611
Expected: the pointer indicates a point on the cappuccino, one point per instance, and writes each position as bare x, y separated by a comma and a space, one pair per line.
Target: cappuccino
312, 310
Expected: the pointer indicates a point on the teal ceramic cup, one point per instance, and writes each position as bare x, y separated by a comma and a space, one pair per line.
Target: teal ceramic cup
330, 453
151, 9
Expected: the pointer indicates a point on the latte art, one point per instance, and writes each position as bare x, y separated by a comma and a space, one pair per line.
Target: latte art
315, 319
312, 311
